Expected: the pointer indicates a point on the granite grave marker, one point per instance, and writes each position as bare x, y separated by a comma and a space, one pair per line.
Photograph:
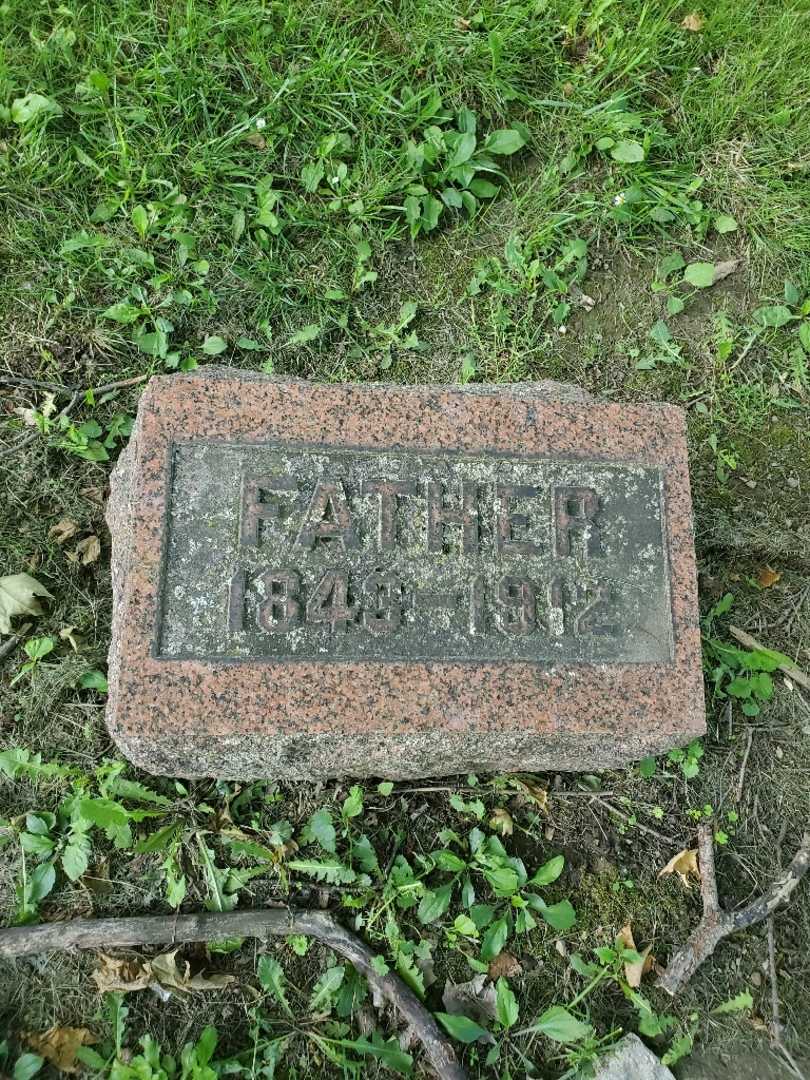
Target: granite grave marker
320, 580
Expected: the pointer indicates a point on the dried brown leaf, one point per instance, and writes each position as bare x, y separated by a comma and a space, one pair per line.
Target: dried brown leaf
89, 549
63, 530
693, 22
634, 970
121, 976
257, 140
94, 494
684, 864
171, 976
68, 633
162, 974
533, 791
59, 1045
504, 965
767, 577
501, 821
475, 999
724, 269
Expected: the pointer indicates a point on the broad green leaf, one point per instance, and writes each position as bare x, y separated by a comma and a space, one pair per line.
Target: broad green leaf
562, 1026
559, 916
503, 880
506, 1006
775, 315
27, 108
123, 312
387, 1051
94, 680
738, 1003
321, 827
18, 596
385, 787
36, 845
353, 805
804, 336
627, 152
548, 872
272, 978
431, 212
76, 856
364, 854
109, 816
674, 261
331, 871
434, 904
504, 141
326, 988
463, 150
305, 334
41, 882
484, 189
494, 939
462, 1028
699, 274
140, 219
725, 223
214, 345
26, 1066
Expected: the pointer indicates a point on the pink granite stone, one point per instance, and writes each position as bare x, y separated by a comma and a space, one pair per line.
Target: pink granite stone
524, 600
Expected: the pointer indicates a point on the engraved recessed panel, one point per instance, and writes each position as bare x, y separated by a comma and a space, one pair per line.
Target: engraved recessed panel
279, 552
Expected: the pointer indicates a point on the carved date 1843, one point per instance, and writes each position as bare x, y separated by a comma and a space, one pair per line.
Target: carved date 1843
279, 552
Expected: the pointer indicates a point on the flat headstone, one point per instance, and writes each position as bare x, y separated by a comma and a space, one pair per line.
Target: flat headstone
323, 580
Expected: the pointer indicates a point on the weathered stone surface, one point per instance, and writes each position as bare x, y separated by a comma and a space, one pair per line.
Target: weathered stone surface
630, 1059
315, 580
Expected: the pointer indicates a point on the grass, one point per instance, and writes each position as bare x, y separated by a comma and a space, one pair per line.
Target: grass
256, 184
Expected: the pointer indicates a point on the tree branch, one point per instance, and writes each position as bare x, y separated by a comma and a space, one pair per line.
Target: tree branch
716, 923
261, 923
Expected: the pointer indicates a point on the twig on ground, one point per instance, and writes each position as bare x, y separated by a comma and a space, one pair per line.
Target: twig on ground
790, 669
625, 818
776, 1026
738, 791
76, 395
716, 923
261, 923
8, 647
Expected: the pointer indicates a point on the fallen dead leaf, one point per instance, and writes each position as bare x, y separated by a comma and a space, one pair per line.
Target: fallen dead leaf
94, 494
173, 977
475, 999
501, 821
533, 791
504, 965
63, 530
18, 596
767, 577
633, 971
121, 976
724, 269
693, 22
89, 549
162, 974
257, 140
59, 1045
68, 633
683, 864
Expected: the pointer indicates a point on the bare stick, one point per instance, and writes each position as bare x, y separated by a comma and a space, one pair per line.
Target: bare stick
261, 923
106, 389
789, 669
776, 1025
8, 647
717, 923
738, 792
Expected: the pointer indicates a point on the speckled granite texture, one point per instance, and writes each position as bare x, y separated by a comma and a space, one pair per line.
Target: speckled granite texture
397, 719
